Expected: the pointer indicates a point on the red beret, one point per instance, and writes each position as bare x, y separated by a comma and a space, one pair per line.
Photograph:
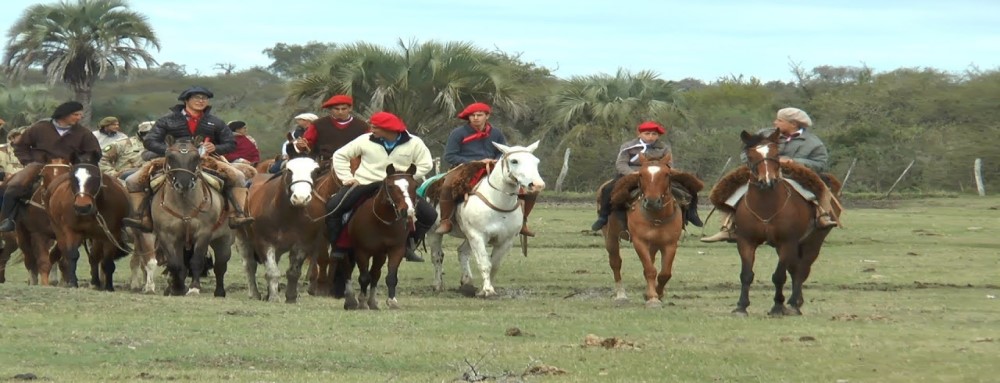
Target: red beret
387, 121
650, 126
338, 100
473, 108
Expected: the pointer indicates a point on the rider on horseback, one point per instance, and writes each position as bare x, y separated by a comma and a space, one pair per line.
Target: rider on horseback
474, 142
59, 137
388, 143
797, 145
648, 143
192, 118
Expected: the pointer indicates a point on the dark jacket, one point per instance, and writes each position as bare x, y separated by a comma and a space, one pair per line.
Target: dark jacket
41, 142
325, 138
457, 153
175, 124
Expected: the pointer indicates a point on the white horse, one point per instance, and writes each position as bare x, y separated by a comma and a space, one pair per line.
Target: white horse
491, 215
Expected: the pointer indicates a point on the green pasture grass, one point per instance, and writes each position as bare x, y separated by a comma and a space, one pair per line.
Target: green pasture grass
904, 293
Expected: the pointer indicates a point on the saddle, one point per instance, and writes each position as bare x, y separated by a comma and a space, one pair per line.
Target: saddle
809, 179
460, 180
684, 186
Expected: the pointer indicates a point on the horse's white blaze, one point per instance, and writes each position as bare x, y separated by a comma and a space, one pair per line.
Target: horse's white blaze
653, 170
81, 176
404, 187
763, 150
301, 169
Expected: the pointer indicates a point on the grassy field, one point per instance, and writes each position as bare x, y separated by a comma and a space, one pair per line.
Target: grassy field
906, 293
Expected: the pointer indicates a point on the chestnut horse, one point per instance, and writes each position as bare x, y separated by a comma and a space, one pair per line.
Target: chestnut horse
378, 229
287, 219
34, 231
654, 225
88, 204
773, 212
189, 217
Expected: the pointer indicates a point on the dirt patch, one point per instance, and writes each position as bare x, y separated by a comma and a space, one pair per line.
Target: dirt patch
613, 343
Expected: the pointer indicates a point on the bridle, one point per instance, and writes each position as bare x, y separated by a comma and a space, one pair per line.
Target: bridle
668, 199
753, 169
384, 192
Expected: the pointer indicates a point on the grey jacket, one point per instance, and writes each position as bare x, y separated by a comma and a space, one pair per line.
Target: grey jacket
628, 155
806, 149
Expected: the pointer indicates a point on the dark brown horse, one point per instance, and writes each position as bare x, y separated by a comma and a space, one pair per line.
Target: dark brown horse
773, 212
34, 231
654, 225
378, 229
287, 219
87, 204
189, 217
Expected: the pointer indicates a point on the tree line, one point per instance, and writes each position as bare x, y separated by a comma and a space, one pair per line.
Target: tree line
884, 120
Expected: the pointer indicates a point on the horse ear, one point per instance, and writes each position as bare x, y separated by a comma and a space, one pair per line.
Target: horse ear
774, 135
74, 158
503, 148
533, 146
169, 140
412, 169
665, 161
390, 170
643, 159
745, 136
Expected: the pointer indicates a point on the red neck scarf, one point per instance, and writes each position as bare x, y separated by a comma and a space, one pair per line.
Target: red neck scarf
192, 119
477, 135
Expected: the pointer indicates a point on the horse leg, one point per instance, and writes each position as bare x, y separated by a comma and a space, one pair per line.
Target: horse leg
272, 273
9, 247
364, 278
70, 245
223, 251
197, 257
376, 273
177, 270
433, 240
809, 251
747, 252
392, 278
611, 243
778, 278
465, 284
249, 267
295, 259
32, 257
646, 254
341, 272
667, 252
104, 253
478, 245
497, 255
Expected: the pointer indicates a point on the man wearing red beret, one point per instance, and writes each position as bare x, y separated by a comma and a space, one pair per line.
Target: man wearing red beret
388, 143
474, 142
647, 143
325, 135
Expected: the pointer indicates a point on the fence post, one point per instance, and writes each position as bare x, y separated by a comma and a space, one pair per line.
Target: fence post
978, 167
843, 185
900, 177
564, 171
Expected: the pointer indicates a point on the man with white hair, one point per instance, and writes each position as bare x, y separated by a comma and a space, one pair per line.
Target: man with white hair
797, 145
302, 121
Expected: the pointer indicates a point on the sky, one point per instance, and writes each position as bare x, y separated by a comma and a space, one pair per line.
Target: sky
705, 40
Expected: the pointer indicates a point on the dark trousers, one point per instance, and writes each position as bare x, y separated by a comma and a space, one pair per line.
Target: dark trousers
276, 166
605, 198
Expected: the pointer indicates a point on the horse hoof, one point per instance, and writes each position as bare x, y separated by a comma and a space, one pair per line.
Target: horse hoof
220, 294
654, 304
392, 304
792, 311
193, 291
350, 303
467, 290
740, 312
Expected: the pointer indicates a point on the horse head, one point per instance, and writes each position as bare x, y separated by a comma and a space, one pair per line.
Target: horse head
654, 182
762, 157
86, 183
298, 176
520, 165
182, 164
400, 190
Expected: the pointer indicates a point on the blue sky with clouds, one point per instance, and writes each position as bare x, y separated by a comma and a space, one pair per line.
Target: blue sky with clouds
677, 39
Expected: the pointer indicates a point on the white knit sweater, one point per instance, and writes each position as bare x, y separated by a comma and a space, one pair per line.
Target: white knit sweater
374, 159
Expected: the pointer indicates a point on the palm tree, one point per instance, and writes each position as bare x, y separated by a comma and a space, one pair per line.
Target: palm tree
609, 106
79, 42
425, 84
